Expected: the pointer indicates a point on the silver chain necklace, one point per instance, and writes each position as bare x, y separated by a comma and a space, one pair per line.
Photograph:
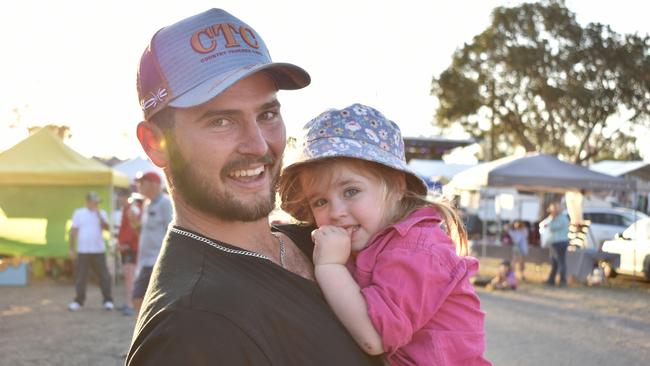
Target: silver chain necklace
232, 251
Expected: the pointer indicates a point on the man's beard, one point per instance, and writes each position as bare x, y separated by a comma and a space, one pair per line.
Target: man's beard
201, 194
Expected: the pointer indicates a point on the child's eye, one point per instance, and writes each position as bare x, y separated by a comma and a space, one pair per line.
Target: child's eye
319, 202
351, 192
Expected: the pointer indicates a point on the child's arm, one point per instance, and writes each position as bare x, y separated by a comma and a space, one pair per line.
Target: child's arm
341, 291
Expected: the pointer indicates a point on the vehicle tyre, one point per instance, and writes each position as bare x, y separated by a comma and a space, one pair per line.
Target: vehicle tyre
646, 268
608, 269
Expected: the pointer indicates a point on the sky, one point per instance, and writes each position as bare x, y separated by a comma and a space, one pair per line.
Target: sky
75, 62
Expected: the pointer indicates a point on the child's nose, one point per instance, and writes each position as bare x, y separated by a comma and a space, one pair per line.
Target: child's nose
337, 212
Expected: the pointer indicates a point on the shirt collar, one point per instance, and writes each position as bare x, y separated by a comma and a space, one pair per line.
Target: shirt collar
417, 216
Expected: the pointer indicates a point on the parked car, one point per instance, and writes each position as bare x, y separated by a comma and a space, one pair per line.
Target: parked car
607, 221
633, 245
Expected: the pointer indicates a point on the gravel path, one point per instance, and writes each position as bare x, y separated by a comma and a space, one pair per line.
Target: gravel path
534, 325
570, 326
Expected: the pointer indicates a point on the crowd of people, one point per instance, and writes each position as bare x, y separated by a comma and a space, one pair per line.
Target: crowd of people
145, 217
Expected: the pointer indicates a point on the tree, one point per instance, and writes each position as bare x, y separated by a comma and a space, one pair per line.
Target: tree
537, 79
62, 131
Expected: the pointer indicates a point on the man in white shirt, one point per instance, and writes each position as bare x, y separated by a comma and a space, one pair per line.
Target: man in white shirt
88, 248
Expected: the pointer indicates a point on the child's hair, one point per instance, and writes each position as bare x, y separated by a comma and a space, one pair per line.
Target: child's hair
506, 263
400, 202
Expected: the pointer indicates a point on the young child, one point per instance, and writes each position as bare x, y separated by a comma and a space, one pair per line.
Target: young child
505, 278
382, 258
519, 235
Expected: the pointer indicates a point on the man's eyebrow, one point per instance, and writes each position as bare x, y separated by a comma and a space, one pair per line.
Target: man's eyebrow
233, 112
272, 104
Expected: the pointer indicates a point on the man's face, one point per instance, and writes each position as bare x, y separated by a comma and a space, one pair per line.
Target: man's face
225, 155
148, 188
92, 205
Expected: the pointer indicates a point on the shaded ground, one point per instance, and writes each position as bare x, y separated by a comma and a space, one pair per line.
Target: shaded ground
578, 325
534, 325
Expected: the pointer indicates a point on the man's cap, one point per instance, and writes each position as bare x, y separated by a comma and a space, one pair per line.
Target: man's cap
93, 196
190, 62
360, 132
150, 176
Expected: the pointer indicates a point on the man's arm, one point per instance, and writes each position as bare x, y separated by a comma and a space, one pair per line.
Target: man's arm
74, 234
103, 222
341, 291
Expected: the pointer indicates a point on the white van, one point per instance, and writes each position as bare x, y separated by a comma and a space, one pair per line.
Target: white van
606, 222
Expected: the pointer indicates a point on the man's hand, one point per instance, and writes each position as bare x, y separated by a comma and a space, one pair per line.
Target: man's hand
332, 245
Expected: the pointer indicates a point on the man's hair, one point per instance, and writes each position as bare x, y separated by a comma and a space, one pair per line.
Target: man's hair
317, 172
164, 119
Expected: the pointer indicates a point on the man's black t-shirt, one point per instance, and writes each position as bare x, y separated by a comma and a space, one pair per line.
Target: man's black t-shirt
209, 307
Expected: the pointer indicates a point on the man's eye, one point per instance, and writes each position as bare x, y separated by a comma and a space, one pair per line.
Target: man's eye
351, 192
268, 115
219, 122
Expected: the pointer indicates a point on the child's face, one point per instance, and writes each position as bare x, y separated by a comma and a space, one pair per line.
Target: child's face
349, 200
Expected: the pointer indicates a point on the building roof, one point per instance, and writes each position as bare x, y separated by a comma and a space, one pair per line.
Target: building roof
431, 148
618, 168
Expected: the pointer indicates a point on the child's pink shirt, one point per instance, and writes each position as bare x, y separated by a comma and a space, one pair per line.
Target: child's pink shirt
419, 296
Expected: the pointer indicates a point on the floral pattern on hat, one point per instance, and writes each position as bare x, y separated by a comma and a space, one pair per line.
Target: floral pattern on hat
357, 131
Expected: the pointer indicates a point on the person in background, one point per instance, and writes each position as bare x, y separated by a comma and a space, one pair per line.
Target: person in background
505, 278
519, 236
127, 239
391, 263
556, 233
157, 214
228, 288
88, 249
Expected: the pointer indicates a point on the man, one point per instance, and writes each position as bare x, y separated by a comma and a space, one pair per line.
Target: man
157, 214
227, 289
128, 238
88, 248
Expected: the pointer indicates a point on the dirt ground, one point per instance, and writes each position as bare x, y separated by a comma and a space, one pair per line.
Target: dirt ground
37, 329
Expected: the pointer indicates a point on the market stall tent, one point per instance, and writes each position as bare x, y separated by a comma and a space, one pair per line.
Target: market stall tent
537, 172
42, 182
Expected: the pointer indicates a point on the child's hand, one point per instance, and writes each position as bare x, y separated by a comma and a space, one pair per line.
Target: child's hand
332, 245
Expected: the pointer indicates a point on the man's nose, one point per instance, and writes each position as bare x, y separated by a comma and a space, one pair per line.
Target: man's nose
253, 140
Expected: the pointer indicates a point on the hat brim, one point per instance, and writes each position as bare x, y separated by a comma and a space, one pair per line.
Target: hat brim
369, 153
286, 76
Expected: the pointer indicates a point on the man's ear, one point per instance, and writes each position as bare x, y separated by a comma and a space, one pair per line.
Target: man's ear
153, 142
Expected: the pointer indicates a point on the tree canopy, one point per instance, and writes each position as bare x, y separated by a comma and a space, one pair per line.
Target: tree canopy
537, 79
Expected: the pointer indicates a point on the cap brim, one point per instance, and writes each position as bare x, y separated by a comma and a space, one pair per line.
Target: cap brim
286, 76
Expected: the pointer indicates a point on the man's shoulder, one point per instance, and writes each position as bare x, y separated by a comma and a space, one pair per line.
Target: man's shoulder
165, 200
80, 211
300, 234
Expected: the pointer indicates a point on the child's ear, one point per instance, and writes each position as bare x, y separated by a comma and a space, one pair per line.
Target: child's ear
153, 142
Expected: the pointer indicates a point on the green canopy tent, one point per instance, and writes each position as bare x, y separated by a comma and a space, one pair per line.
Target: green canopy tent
42, 182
